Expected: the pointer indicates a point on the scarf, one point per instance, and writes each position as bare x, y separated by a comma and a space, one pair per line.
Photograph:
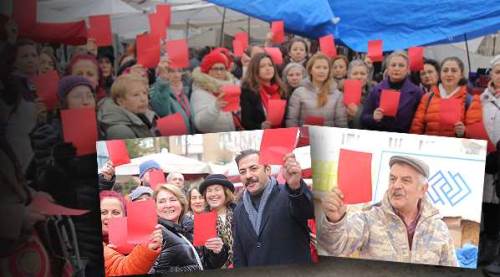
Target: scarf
255, 216
444, 94
269, 92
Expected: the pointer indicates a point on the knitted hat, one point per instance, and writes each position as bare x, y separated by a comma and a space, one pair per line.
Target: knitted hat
216, 179
212, 58
67, 83
139, 191
147, 165
226, 53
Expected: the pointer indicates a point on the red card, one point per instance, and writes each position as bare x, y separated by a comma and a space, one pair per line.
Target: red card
450, 111
100, 30
117, 231
117, 151
354, 176
477, 131
177, 51
156, 177
80, 128
389, 102
375, 52
352, 91
205, 227
314, 120
232, 97
46, 88
148, 50
327, 46
238, 48
304, 136
276, 111
24, 13
44, 206
275, 54
157, 25
276, 143
172, 125
165, 12
416, 57
141, 220
243, 38
278, 30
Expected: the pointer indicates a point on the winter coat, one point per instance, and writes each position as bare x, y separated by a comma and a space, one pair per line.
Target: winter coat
139, 261
116, 122
379, 234
207, 117
179, 255
252, 109
304, 103
408, 102
164, 102
427, 117
284, 235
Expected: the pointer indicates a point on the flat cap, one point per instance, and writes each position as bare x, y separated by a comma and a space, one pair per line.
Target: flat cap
417, 164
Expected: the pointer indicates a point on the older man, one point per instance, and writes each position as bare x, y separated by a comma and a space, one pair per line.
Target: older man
270, 222
404, 227
177, 179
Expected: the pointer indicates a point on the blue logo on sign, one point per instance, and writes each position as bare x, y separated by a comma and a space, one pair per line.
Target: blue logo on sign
447, 188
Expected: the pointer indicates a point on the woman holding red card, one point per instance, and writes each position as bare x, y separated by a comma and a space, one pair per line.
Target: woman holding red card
141, 258
218, 193
358, 70
339, 70
86, 65
317, 97
207, 97
397, 79
178, 253
260, 84
453, 85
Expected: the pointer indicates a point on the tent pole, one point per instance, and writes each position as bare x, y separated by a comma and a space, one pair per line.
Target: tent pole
248, 27
187, 29
222, 28
494, 44
467, 49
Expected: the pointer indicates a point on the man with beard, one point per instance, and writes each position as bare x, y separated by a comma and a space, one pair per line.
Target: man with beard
404, 227
270, 221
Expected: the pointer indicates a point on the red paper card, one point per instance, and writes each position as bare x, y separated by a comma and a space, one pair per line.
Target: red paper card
375, 50
148, 50
276, 143
172, 125
165, 12
352, 91
24, 13
354, 176
276, 111
327, 46
44, 206
389, 102
278, 30
177, 51
243, 38
117, 151
416, 57
80, 128
157, 25
314, 120
205, 227
117, 231
156, 177
238, 48
275, 54
304, 136
232, 97
100, 30
46, 88
450, 111
477, 131
141, 220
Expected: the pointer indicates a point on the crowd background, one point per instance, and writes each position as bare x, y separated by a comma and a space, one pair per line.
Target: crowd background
129, 98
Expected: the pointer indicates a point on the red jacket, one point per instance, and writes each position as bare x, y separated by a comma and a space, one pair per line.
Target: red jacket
139, 261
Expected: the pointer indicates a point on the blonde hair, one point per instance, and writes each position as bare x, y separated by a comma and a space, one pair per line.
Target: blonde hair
177, 193
122, 83
324, 90
401, 54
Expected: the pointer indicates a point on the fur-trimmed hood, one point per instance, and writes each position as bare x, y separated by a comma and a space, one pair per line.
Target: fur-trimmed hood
210, 84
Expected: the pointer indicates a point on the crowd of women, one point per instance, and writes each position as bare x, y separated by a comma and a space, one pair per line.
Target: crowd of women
129, 99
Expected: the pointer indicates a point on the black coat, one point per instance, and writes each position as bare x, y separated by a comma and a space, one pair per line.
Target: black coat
284, 235
252, 112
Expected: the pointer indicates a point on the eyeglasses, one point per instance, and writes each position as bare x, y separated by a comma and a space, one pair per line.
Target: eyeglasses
218, 69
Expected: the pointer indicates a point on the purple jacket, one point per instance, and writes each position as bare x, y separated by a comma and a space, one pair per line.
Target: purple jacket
408, 102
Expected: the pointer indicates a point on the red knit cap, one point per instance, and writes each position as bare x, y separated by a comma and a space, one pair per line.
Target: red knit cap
226, 53
212, 58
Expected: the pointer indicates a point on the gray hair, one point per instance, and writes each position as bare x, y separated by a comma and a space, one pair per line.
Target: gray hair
291, 66
356, 63
171, 175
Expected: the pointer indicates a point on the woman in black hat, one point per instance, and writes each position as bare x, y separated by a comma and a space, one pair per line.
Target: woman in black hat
218, 192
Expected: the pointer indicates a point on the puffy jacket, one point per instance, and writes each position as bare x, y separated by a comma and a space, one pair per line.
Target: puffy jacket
139, 261
304, 103
378, 233
427, 116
